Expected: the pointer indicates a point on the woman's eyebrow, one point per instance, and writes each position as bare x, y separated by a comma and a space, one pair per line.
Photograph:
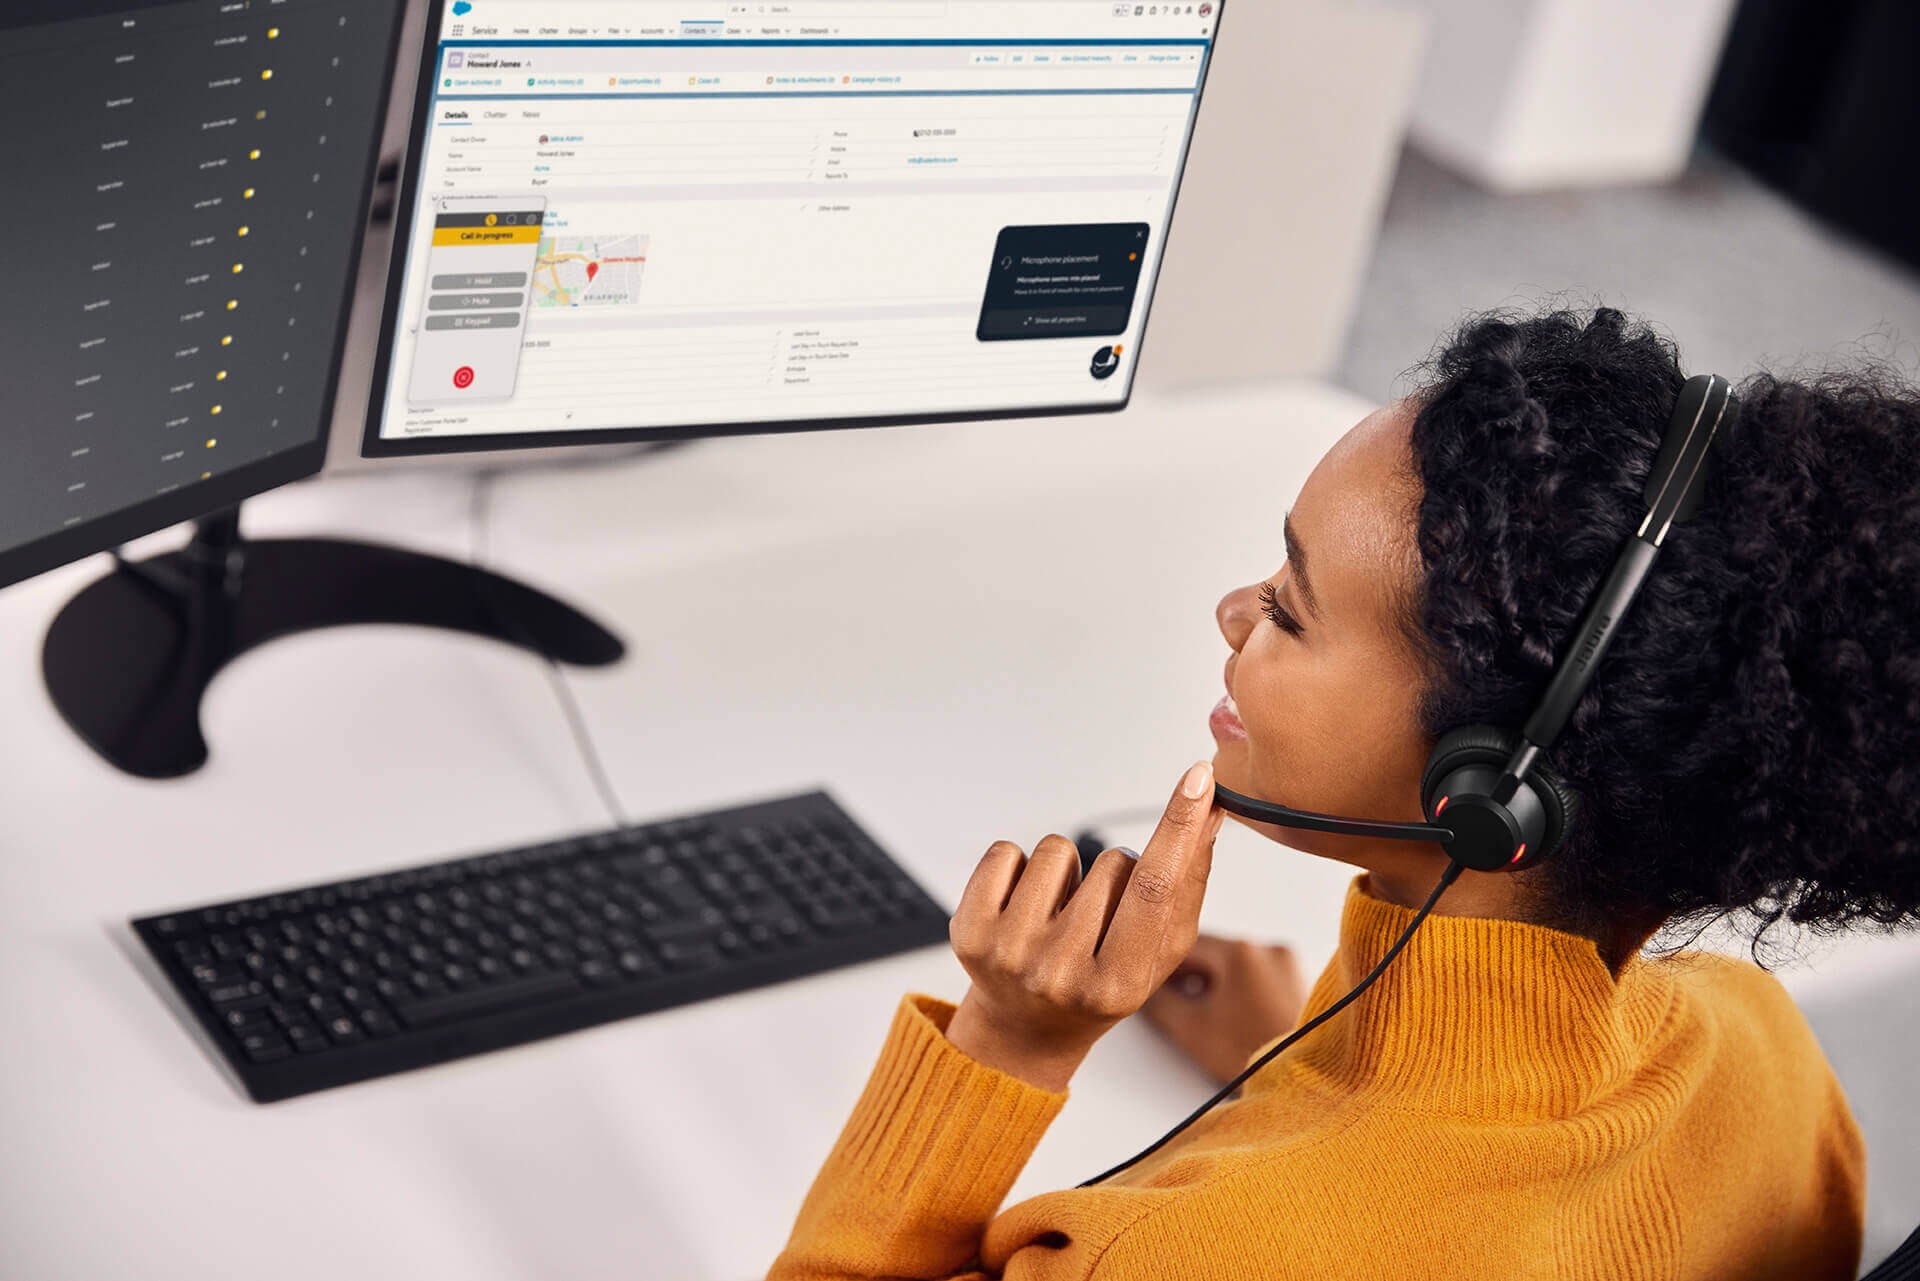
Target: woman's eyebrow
1297, 558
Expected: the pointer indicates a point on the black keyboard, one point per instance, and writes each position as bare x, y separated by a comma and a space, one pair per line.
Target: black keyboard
329, 984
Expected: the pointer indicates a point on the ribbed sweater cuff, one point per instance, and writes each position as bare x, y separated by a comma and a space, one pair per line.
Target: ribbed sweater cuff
936, 1128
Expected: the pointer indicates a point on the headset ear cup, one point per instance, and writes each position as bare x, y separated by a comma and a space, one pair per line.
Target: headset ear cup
1468, 745
1490, 745
1562, 805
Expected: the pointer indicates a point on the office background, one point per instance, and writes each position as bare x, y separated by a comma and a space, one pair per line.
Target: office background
1416, 161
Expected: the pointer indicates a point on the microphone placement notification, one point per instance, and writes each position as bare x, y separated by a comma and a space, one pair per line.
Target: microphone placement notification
1063, 282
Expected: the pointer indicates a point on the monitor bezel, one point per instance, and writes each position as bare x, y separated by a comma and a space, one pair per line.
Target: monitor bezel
202, 498
374, 445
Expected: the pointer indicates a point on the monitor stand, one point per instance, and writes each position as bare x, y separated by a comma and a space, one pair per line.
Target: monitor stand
128, 659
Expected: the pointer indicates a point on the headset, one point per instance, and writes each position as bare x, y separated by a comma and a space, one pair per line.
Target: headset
1492, 800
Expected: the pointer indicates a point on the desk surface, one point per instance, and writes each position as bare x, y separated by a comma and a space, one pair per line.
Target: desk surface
965, 633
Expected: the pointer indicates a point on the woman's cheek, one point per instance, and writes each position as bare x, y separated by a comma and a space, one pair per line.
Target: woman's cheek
1272, 735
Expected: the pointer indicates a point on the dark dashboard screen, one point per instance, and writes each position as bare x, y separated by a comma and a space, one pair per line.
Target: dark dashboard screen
185, 189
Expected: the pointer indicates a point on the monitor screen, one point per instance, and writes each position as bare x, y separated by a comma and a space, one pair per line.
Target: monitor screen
635, 219
198, 177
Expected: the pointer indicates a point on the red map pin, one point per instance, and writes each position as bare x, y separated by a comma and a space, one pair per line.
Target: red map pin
593, 269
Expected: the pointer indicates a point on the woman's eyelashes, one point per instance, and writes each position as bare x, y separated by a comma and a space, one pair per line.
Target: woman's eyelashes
1271, 606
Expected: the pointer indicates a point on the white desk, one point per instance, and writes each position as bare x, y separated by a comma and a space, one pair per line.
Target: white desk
965, 633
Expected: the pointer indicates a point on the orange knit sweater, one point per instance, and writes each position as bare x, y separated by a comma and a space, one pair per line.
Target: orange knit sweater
1497, 1105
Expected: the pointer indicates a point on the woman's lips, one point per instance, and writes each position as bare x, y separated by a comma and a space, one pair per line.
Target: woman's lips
1224, 721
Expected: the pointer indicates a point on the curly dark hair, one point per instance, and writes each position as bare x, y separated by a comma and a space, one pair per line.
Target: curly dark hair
1750, 746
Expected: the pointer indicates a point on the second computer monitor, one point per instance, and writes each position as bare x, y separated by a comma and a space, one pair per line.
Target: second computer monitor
635, 220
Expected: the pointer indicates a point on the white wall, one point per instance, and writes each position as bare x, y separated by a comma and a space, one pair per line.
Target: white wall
1528, 94
1300, 131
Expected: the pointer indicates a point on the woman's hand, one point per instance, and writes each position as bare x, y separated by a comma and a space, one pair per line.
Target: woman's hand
1226, 1000
1055, 962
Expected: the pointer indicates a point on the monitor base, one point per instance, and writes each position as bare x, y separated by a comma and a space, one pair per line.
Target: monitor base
128, 659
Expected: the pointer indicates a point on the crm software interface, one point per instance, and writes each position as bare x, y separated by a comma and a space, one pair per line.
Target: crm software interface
637, 215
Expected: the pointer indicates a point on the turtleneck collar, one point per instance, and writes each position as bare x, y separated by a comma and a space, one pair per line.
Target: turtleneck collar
1476, 1015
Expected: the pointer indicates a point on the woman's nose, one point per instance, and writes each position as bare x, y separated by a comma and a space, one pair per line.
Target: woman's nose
1234, 614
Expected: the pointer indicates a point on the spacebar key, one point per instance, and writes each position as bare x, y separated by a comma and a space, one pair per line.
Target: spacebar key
528, 989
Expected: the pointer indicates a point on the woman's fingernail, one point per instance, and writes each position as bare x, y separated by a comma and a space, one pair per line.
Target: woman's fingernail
1130, 853
1197, 781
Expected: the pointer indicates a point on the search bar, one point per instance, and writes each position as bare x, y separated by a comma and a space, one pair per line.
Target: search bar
851, 9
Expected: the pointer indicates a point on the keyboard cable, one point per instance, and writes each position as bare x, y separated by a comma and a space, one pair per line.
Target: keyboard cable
480, 517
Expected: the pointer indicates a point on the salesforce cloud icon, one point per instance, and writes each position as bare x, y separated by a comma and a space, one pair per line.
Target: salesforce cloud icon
462, 7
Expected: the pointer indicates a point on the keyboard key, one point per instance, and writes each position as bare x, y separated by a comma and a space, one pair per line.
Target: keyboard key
249, 1019
839, 918
265, 1047
286, 987
690, 956
323, 1007
218, 975
427, 1011
175, 927
307, 1038
599, 972
234, 996
376, 1022
682, 931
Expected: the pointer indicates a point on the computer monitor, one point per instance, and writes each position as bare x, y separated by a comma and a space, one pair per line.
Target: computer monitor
189, 183
654, 219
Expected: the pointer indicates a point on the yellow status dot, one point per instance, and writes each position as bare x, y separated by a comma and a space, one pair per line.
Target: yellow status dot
236, 267
211, 443
206, 475
247, 194
254, 154
273, 33
220, 377
226, 340
260, 115
242, 231
216, 409
232, 303
267, 74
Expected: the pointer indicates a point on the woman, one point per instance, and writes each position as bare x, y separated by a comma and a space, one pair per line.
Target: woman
1524, 1092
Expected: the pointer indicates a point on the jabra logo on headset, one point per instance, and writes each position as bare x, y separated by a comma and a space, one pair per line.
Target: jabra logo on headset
1593, 639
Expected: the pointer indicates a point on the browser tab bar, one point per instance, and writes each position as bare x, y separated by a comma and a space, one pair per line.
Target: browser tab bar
820, 19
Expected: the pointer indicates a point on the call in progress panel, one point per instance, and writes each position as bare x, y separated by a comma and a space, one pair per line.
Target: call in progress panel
479, 279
